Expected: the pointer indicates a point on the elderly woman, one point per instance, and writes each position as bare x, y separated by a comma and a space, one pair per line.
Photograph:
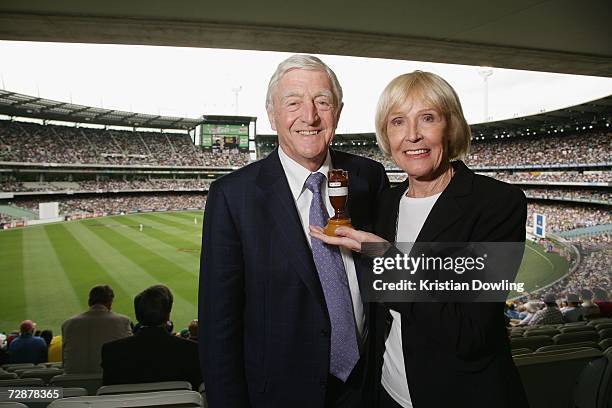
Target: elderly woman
439, 354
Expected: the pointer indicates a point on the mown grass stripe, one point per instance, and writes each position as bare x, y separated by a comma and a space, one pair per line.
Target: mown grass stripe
13, 299
179, 279
191, 233
82, 269
161, 219
132, 277
189, 216
51, 294
173, 242
171, 247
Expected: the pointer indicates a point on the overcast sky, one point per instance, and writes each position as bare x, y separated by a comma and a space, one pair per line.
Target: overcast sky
196, 81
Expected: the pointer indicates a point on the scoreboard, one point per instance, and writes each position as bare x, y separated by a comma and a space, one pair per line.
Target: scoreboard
220, 138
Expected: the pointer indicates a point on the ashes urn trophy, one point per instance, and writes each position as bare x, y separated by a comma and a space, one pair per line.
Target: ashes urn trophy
337, 189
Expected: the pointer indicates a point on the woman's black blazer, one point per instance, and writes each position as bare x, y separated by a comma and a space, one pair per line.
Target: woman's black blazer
457, 354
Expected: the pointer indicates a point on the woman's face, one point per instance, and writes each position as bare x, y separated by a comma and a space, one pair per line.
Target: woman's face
418, 139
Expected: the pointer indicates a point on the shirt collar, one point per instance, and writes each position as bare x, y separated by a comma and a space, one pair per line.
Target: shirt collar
297, 174
98, 306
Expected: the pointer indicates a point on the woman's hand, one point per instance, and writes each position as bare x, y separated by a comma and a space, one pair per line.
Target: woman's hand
347, 237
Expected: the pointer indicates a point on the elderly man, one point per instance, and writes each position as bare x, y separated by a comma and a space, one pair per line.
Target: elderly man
281, 317
27, 348
84, 334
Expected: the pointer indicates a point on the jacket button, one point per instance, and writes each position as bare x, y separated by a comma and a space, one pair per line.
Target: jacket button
324, 332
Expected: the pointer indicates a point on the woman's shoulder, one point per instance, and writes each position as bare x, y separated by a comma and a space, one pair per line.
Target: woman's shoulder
496, 189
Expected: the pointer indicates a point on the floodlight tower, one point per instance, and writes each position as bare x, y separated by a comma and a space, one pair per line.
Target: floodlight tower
485, 73
236, 91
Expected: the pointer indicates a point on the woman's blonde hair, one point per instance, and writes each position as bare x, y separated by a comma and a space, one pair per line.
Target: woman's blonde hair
436, 92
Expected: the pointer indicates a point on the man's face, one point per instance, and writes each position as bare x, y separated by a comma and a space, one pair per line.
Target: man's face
305, 116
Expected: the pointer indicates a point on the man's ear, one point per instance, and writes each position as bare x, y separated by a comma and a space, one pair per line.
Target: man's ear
271, 118
338, 113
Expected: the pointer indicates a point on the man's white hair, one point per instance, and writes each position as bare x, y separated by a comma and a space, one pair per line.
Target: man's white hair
306, 62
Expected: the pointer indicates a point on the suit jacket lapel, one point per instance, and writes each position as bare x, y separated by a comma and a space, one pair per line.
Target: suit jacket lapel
447, 209
276, 197
390, 209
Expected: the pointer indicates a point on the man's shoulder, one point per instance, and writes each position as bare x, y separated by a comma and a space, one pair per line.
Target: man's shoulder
243, 176
95, 316
183, 344
360, 161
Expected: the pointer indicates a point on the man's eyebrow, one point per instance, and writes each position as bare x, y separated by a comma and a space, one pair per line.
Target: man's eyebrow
324, 92
291, 94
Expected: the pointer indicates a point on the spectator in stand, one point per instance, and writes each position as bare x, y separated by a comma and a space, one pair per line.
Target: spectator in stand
531, 308
83, 335
512, 313
193, 330
27, 348
3, 347
55, 350
549, 315
152, 354
589, 309
573, 311
47, 335
602, 300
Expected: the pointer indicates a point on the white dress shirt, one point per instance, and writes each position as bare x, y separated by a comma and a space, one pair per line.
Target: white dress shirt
296, 176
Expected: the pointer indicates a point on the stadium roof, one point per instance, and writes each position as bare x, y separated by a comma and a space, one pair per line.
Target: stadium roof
597, 112
15, 104
566, 36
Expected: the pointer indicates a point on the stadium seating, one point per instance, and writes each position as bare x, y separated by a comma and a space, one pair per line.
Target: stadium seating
605, 334
22, 382
176, 398
605, 344
5, 375
519, 351
17, 366
144, 387
565, 338
541, 332
589, 344
589, 384
532, 343
43, 373
549, 379
66, 393
91, 382
576, 329
12, 405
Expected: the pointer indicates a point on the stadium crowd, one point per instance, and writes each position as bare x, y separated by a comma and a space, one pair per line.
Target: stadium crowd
123, 203
568, 194
107, 185
554, 177
511, 152
34, 143
542, 151
565, 217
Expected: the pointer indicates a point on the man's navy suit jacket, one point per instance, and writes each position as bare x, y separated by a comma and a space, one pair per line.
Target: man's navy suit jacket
264, 326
